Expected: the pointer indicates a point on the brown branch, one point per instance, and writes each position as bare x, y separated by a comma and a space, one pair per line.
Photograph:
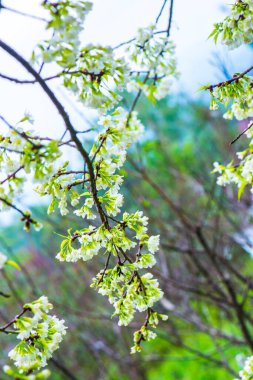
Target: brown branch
12, 206
55, 76
25, 217
161, 192
11, 150
105, 268
16, 80
210, 358
4, 328
170, 17
161, 11
241, 134
234, 79
5, 295
58, 364
237, 306
12, 175
240, 315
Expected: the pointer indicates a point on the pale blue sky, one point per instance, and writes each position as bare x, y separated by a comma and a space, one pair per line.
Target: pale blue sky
111, 22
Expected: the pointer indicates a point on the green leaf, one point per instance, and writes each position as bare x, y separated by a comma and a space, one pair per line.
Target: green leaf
203, 87
13, 264
241, 190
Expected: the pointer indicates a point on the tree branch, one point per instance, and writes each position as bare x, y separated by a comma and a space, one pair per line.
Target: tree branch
234, 79
66, 120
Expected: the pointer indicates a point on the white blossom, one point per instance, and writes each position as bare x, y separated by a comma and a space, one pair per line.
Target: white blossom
39, 336
3, 260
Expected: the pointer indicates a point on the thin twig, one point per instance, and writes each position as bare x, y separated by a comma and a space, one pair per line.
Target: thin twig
227, 82
161, 11
241, 134
26, 217
12, 175
23, 13
2, 329
170, 17
21, 134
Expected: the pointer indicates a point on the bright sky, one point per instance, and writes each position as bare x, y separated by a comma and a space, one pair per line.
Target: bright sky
111, 22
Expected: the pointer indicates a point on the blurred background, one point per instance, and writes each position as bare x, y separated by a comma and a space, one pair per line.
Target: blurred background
205, 260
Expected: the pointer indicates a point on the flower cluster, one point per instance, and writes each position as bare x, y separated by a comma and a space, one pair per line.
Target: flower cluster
237, 28
20, 148
22, 154
247, 372
97, 77
94, 73
39, 336
127, 290
237, 95
144, 333
108, 155
61, 188
66, 20
153, 56
240, 174
22, 151
88, 242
